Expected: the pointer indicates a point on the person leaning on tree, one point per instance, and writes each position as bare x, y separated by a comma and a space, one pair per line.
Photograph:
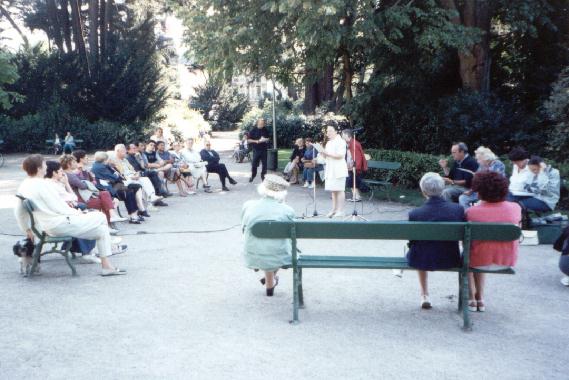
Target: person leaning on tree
259, 139
459, 177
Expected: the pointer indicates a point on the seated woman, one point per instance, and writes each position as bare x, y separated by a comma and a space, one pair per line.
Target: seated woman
114, 183
433, 255
183, 167
268, 255
311, 167
487, 161
543, 186
492, 189
56, 218
196, 166
173, 174
100, 200
296, 159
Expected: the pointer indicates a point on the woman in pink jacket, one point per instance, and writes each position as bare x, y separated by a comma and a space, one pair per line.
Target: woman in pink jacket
492, 189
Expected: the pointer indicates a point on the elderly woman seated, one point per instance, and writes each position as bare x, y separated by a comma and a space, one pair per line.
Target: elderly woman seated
433, 255
492, 190
267, 255
54, 216
196, 166
487, 161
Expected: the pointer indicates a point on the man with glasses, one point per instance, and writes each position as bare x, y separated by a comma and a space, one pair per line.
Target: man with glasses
459, 177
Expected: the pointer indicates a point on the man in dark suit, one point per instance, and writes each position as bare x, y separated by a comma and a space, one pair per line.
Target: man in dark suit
459, 177
213, 166
433, 255
144, 172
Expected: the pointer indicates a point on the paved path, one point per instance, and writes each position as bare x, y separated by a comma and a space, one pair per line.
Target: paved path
189, 309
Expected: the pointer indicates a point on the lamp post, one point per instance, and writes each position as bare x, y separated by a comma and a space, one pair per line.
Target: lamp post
274, 116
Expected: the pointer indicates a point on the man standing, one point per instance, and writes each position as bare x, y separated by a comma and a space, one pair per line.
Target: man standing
259, 138
358, 161
213, 166
459, 177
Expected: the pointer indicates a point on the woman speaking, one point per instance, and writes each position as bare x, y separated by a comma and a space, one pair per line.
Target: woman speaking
336, 171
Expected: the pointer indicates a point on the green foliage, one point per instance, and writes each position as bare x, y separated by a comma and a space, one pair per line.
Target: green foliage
222, 106
413, 166
8, 75
557, 109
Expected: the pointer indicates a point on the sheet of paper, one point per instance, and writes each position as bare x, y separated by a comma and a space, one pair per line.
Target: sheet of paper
318, 147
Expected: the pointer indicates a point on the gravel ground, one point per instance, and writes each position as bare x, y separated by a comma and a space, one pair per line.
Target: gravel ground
188, 307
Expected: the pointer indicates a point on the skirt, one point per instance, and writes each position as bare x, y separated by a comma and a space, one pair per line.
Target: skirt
335, 184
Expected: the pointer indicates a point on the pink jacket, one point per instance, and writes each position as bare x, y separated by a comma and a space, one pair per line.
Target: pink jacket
484, 253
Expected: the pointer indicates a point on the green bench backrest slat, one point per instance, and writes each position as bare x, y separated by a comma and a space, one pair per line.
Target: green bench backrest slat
383, 165
386, 230
49, 141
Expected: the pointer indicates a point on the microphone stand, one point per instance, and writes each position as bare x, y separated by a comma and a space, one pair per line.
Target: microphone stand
314, 213
354, 215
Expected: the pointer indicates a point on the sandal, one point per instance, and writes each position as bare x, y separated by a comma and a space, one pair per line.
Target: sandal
481, 306
472, 305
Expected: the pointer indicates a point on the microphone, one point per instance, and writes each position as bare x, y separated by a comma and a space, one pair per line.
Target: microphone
358, 130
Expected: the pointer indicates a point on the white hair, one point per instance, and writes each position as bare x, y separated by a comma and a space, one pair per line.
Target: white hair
485, 154
101, 156
432, 184
119, 146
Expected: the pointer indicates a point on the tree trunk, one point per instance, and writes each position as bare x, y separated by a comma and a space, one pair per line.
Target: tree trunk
54, 25
103, 28
8, 16
348, 75
93, 30
291, 91
78, 32
474, 63
66, 24
319, 91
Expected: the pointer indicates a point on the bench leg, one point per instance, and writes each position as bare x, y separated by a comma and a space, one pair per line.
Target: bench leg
35, 258
67, 256
300, 292
467, 325
460, 299
295, 301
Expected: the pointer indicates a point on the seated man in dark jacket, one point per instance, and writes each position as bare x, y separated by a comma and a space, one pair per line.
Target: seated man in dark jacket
459, 177
434, 255
144, 172
213, 166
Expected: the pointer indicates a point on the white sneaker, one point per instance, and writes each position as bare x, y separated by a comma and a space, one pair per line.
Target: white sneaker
115, 219
425, 302
330, 214
397, 272
117, 249
89, 259
112, 231
152, 208
565, 280
305, 184
116, 240
339, 214
311, 186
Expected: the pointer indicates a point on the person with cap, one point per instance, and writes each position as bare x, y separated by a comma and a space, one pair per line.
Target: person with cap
267, 255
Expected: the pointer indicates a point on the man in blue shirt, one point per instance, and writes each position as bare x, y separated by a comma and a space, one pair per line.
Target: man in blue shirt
459, 177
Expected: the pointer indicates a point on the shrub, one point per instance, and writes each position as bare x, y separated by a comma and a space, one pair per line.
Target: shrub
413, 166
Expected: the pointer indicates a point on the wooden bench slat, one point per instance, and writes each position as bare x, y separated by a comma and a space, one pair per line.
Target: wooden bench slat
383, 165
403, 230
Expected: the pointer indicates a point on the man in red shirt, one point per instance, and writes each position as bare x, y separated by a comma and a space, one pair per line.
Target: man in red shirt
356, 158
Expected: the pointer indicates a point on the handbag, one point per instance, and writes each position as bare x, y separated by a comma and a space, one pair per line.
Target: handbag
89, 192
309, 164
288, 168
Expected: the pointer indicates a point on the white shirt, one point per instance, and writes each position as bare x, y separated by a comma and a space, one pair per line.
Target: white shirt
51, 210
518, 179
190, 156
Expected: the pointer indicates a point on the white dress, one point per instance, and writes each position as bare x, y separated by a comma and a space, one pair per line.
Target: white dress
196, 166
336, 168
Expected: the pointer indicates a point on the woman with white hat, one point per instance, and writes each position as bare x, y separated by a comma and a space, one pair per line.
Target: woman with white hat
268, 255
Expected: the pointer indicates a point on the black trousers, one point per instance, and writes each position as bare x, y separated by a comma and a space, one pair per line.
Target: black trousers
259, 156
155, 179
220, 170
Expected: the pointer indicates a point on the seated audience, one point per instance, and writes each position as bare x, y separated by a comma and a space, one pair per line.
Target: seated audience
89, 195
182, 166
154, 160
268, 255
492, 189
114, 183
459, 177
296, 160
196, 165
355, 154
433, 255
131, 176
139, 164
311, 167
242, 148
487, 161
159, 136
520, 171
56, 218
213, 166
69, 145
542, 187
172, 174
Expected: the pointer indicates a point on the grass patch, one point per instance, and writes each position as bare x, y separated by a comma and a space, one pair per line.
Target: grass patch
283, 158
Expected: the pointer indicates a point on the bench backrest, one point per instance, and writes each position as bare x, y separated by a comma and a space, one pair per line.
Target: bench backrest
384, 165
30, 207
388, 230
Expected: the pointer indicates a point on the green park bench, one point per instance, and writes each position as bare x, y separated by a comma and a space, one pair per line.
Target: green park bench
330, 230
50, 148
59, 244
389, 168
